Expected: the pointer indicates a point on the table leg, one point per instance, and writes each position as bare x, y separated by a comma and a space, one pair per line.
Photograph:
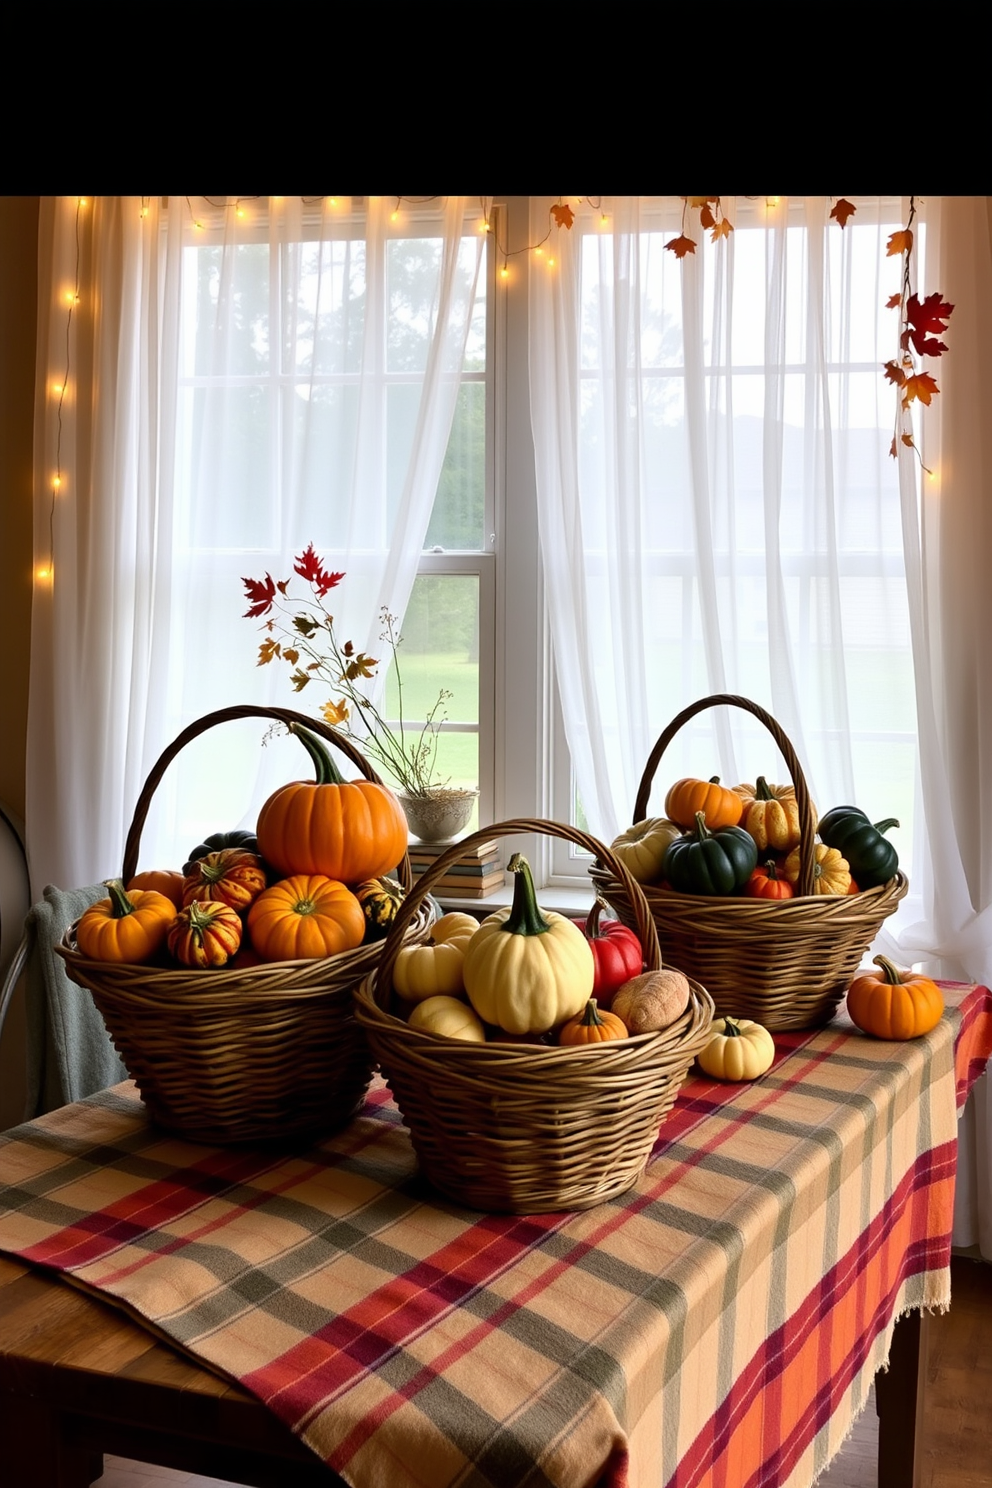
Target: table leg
36, 1449
899, 1394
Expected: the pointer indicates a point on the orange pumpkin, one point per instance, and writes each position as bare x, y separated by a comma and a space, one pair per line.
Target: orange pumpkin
305, 917
206, 933
893, 1004
127, 927
167, 881
231, 875
592, 1027
347, 831
720, 807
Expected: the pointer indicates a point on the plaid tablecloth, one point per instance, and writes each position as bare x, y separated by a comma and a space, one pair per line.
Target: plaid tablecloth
718, 1325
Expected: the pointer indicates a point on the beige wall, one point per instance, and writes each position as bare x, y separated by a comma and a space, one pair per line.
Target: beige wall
18, 317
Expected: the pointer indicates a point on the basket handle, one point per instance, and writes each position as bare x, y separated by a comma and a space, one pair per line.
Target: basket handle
646, 929
807, 818
227, 715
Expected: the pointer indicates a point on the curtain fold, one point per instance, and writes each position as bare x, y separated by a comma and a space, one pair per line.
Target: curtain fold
244, 377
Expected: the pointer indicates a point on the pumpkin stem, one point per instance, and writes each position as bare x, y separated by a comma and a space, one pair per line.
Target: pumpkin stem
121, 905
326, 771
702, 830
883, 826
892, 973
731, 1029
592, 920
761, 791
771, 869
525, 916
591, 1018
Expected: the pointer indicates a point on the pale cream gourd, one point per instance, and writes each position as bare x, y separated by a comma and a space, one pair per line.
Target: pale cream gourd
642, 848
435, 969
739, 1049
526, 970
449, 1017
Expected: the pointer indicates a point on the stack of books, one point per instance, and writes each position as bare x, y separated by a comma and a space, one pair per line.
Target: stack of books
475, 874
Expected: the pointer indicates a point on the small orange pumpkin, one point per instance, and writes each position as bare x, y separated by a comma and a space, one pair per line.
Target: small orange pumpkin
893, 1004
305, 917
127, 927
233, 876
167, 881
206, 933
720, 807
592, 1027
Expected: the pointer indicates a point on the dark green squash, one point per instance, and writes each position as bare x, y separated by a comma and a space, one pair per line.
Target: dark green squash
871, 857
218, 841
705, 862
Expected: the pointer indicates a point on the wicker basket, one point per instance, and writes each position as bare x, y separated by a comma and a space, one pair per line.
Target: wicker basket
264, 1053
521, 1128
786, 963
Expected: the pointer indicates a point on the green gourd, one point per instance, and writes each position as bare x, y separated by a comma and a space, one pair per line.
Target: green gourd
871, 857
715, 863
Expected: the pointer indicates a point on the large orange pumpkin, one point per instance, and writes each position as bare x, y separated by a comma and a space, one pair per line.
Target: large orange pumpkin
346, 830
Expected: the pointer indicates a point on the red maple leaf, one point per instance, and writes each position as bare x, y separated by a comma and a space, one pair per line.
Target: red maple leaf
681, 246
309, 567
926, 320
842, 209
261, 593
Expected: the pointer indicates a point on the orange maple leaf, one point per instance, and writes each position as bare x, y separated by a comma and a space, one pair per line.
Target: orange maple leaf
699, 201
892, 448
266, 651
842, 210
921, 385
706, 218
899, 242
721, 229
907, 439
893, 302
335, 713
681, 246
563, 214
894, 373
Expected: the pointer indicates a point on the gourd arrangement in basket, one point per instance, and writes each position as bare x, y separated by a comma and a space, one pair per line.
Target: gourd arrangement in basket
768, 907
309, 882
523, 1091
227, 987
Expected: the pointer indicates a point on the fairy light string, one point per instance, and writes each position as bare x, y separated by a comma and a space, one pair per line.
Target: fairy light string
921, 322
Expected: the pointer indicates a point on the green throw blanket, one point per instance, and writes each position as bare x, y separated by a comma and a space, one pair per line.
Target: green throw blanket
69, 1050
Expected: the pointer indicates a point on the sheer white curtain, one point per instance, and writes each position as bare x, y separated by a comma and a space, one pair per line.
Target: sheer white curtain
719, 512
243, 378
718, 509
948, 545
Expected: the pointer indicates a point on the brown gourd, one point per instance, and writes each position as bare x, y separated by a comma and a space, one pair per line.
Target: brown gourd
652, 1001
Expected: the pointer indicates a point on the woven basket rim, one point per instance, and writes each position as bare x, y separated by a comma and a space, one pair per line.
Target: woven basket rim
298, 977
421, 1042
659, 897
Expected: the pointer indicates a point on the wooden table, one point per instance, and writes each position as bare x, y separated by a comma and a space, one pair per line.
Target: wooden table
78, 1377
